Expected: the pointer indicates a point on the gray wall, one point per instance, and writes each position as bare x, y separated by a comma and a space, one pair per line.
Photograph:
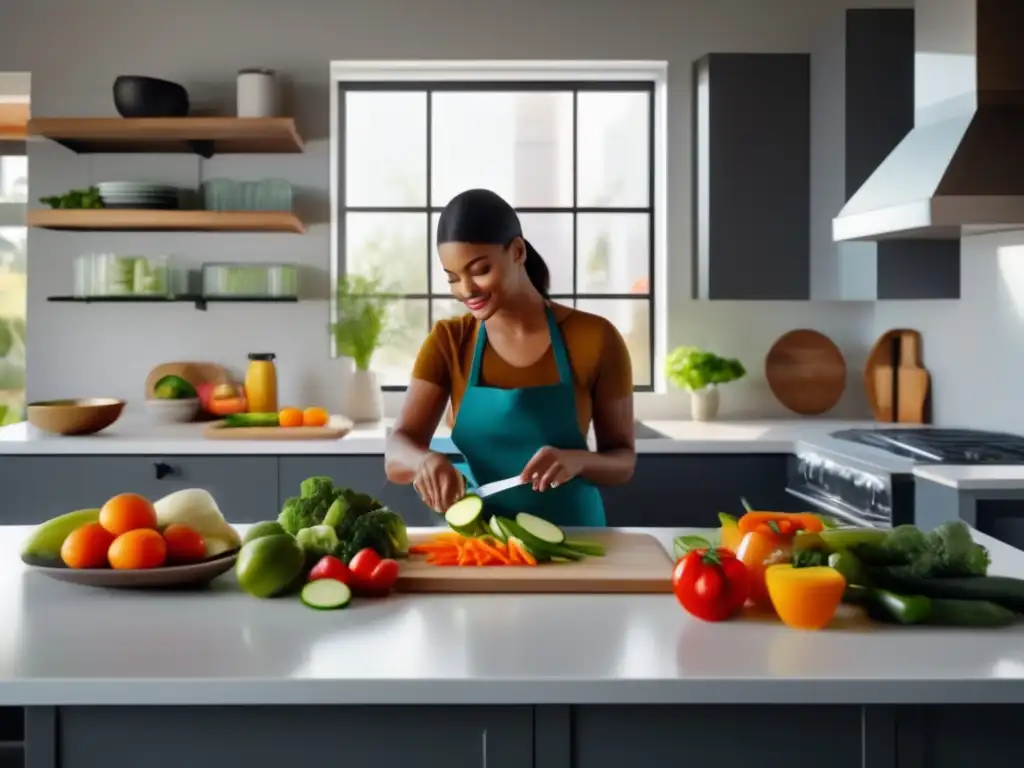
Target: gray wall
75, 48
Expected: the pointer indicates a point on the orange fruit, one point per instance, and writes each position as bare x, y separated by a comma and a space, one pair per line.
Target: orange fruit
139, 548
127, 512
184, 544
86, 547
314, 417
290, 417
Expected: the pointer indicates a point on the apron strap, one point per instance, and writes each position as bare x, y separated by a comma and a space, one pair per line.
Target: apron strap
478, 356
557, 347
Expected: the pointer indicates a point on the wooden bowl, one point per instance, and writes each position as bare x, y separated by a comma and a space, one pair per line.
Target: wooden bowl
84, 416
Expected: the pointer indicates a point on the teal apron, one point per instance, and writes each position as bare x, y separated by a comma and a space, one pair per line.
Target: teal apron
498, 431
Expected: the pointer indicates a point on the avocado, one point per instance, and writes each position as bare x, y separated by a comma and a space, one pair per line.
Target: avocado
173, 388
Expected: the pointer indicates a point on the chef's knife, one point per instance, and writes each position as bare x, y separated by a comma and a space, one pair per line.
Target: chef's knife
489, 489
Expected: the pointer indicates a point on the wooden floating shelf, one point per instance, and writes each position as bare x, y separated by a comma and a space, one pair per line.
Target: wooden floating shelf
204, 136
199, 300
165, 221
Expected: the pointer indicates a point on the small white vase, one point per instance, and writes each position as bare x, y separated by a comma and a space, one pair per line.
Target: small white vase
363, 398
704, 403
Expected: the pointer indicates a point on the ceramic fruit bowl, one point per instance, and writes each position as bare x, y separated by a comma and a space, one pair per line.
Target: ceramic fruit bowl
83, 416
176, 411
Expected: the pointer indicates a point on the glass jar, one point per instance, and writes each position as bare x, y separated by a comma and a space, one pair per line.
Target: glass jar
261, 383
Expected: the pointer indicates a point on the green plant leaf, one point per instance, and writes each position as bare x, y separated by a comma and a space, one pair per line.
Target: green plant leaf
362, 317
693, 368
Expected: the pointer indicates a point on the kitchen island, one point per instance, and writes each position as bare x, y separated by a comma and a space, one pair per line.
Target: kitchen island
215, 678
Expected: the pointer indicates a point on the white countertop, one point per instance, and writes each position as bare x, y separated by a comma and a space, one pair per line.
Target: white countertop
976, 477
63, 644
134, 434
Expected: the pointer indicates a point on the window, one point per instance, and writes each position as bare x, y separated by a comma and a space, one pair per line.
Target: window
573, 152
13, 236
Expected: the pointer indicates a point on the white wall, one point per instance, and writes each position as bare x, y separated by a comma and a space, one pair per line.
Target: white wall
75, 48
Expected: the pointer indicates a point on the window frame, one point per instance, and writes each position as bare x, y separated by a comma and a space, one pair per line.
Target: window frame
517, 76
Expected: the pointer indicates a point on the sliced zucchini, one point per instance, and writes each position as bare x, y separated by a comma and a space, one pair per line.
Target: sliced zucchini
541, 529
465, 516
495, 528
588, 548
540, 549
326, 594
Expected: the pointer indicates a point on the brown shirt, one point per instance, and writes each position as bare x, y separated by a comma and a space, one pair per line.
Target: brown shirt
597, 353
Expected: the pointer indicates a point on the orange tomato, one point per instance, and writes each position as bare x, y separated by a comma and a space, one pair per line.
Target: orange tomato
86, 547
140, 548
757, 551
127, 512
314, 417
184, 544
290, 417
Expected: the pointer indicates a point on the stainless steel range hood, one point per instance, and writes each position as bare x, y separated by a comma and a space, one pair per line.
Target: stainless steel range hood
960, 170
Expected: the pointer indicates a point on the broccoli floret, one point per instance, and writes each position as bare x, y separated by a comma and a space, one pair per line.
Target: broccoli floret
951, 552
317, 541
901, 546
317, 487
373, 529
317, 494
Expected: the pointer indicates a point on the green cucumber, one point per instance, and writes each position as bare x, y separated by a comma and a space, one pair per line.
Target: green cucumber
888, 607
251, 420
465, 516
969, 613
496, 529
326, 594
539, 528
1001, 590
849, 566
588, 548
539, 549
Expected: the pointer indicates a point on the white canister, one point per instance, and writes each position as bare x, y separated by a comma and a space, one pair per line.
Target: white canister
257, 93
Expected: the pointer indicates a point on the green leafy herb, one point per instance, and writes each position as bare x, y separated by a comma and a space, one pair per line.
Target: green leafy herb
693, 369
362, 317
683, 544
75, 199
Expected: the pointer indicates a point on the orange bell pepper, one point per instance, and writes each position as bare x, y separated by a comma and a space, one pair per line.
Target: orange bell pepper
758, 550
780, 523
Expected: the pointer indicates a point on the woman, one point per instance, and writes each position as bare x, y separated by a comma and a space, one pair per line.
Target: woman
525, 378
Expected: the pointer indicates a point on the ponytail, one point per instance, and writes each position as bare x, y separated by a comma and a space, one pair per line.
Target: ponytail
537, 270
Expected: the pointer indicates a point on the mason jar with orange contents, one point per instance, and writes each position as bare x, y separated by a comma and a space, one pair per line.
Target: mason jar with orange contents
261, 383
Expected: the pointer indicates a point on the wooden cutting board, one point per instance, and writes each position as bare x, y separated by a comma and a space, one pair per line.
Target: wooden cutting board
195, 373
895, 382
806, 372
633, 563
336, 428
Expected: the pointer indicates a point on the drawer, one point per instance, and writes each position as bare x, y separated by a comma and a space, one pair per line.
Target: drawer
36, 488
361, 473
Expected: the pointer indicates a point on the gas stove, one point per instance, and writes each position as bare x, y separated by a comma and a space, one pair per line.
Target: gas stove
858, 494
942, 446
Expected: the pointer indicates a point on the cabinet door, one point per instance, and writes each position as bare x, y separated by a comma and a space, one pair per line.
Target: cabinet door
362, 473
613, 736
689, 490
36, 488
381, 736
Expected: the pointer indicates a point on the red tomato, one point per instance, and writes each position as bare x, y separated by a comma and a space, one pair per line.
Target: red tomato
330, 567
363, 563
711, 584
385, 574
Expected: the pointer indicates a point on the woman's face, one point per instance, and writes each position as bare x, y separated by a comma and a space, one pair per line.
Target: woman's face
481, 276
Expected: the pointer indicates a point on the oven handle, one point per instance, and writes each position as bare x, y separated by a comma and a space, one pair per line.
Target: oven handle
832, 509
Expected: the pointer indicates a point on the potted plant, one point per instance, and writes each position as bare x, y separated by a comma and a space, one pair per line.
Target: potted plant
361, 325
701, 372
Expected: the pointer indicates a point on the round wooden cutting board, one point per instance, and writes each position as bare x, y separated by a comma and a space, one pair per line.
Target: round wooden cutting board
806, 372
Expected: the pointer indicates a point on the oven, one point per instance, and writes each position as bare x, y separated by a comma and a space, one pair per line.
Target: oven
854, 495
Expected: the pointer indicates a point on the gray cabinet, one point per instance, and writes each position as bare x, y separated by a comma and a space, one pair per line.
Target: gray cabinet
215, 737
689, 490
40, 487
751, 178
862, 106
363, 473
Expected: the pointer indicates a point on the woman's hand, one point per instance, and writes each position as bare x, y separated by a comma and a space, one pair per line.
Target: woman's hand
552, 467
438, 483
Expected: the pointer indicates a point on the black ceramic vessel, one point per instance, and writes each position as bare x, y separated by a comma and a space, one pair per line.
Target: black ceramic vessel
138, 96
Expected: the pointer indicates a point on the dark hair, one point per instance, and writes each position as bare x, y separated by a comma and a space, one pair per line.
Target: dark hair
481, 216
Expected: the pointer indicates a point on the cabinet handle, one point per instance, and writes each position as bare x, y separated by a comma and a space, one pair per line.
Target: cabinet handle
163, 470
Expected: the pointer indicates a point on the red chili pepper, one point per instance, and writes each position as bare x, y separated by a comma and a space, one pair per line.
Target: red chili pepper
330, 567
373, 575
711, 584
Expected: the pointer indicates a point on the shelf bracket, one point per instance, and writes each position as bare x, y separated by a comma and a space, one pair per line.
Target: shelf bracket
202, 147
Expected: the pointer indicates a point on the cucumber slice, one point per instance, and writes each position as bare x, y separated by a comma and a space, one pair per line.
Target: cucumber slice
541, 550
589, 548
547, 532
326, 594
495, 528
466, 516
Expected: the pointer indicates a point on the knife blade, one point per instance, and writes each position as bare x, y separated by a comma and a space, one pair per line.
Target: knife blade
489, 489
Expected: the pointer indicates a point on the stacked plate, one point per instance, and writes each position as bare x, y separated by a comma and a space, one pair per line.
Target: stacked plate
137, 194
